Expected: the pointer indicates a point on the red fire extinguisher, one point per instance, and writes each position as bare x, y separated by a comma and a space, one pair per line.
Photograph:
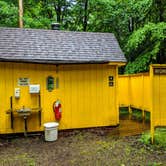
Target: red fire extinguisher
57, 110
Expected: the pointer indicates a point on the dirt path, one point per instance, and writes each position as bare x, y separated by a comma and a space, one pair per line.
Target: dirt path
90, 147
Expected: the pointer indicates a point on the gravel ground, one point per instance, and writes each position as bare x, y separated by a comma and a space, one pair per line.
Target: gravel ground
88, 147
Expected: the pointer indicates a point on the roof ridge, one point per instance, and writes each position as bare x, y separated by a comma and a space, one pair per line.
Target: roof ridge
50, 30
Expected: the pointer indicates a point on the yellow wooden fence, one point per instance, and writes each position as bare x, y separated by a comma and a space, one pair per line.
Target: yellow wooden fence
134, 91
146, 91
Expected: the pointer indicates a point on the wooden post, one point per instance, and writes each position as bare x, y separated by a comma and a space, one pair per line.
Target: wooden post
143, 114
152, 125
130, 112
152, 134
143, 99
21, 13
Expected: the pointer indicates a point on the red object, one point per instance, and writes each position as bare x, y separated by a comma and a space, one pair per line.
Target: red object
57, 110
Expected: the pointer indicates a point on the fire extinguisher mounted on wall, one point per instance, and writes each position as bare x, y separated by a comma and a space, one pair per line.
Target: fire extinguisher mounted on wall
57, 110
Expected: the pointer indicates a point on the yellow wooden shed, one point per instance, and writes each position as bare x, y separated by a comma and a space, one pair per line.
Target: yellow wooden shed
39, 67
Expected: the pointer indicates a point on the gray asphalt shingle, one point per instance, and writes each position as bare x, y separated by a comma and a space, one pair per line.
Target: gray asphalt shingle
51, 46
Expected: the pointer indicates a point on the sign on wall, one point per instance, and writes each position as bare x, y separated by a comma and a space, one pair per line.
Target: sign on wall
23, 81
111, 81
159, 70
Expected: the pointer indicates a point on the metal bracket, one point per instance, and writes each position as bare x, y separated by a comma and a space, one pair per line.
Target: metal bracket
11, 112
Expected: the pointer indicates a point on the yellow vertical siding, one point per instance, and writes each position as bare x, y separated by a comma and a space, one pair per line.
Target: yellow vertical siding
2, 98
159, 98
158, 93
86, 96
123, 90
87, 100
134, 90
146, 95
162, 100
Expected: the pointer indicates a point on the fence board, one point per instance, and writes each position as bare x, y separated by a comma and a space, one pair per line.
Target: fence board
134, 91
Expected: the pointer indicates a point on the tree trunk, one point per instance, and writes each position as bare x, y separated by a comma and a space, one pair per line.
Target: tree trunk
58, 11
161, 7
131, 24
85, 16
20, 13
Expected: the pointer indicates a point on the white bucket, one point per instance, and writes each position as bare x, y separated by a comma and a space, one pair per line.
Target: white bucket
51, 131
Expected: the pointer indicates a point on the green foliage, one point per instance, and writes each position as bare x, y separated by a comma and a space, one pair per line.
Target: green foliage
147, 116
123, 111
8, 14
109, 16
128, 20
137, 114
146, 138
143, 47
159, 138
21, 159
37, 14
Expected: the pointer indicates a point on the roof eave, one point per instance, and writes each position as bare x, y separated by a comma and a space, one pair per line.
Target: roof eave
118, 63
37, 61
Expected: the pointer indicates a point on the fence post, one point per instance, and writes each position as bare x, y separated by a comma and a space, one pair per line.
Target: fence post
151, 109
143, 112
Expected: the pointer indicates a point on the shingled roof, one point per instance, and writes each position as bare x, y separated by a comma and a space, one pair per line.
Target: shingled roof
51, 46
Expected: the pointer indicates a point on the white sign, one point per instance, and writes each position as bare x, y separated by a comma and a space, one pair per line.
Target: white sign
17, 92
34, 88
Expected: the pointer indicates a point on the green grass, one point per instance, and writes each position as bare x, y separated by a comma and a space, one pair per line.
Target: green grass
146, 138
137, 114
123, 111
159, 138
22, 159
147, 116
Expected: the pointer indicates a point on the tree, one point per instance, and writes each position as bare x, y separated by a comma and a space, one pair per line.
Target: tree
143, 47
78, 15
61, 8
125, 18
38, 14
8, 14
